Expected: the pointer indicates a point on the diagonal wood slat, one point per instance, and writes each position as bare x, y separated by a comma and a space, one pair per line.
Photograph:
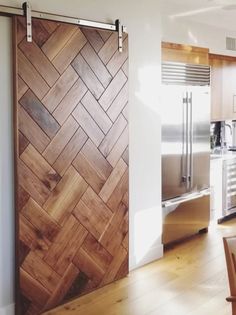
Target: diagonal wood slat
72, 162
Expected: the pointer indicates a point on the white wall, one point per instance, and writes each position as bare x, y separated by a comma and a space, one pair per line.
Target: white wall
6, 170
143, 21
185, 31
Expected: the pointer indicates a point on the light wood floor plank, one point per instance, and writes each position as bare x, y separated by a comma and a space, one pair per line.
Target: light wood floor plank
191, 279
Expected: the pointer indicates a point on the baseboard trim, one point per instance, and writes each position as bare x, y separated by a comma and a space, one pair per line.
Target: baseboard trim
154, 253
7, 310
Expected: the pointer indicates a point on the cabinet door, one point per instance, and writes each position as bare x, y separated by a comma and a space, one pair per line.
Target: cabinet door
229, 90
216, 89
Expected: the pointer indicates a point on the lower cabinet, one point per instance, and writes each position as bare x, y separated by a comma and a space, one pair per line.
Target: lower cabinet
223, 187
216, 181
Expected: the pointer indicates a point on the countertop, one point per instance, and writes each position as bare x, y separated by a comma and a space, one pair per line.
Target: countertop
222, 154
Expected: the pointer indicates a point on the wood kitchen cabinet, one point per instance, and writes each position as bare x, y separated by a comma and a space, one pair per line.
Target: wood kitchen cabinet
223, 87
185, 53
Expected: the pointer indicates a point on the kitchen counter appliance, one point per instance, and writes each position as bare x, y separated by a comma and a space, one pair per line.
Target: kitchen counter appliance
185, 150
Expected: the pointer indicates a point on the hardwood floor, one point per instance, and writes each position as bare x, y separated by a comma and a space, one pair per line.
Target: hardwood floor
190, 280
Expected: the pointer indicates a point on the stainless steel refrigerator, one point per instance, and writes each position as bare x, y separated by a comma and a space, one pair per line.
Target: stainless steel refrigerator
185, 150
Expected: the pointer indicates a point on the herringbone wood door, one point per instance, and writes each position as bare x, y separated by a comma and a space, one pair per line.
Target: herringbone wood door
72, 162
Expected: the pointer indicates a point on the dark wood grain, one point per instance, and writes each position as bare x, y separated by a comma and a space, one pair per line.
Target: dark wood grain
71, 163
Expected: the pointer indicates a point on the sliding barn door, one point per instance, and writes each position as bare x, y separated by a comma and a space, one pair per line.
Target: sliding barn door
72, 163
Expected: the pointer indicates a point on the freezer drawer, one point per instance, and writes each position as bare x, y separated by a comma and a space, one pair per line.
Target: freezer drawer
183, 219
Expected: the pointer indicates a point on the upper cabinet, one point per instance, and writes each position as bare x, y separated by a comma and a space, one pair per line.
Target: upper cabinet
223, 87
185, 53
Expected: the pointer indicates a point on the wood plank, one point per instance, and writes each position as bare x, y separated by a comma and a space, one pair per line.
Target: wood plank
125, 112
72, 247
125, 156
31, 130
119, 103
22, 88
40, 271
63, 287
32, 237
61, 241
125, 242
96, 112
67, 194
50, 26
118, 59
105, 34
69, 51
125, 68
94, 38
119, 148
40, 167
23, 251
109, 48
97, 253
113, 180
22, 197
70, 101
88, 171
116, 231
88, 124
31, 76
81, 285
58, 39
60, 89
31, 288
40, 219
86, 264
112, 136
119, 192
88, 76
70, 151
33, 309
32, 184
66, 245
23, 143
125, 199
114, 267
112, 90
59, 142
21, 29
96, 159
122, 272
40, 33
96, 64
93, 213
42, 30
39, 114
41, 63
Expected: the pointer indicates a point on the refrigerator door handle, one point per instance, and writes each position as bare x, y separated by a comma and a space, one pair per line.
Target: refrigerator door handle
187, 142
184, 164
176, 201
191, 140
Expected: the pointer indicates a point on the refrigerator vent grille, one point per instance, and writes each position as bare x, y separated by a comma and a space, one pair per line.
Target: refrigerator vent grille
185, 74
231, 43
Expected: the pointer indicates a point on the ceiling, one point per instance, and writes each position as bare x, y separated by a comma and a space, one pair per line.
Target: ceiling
218, 13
